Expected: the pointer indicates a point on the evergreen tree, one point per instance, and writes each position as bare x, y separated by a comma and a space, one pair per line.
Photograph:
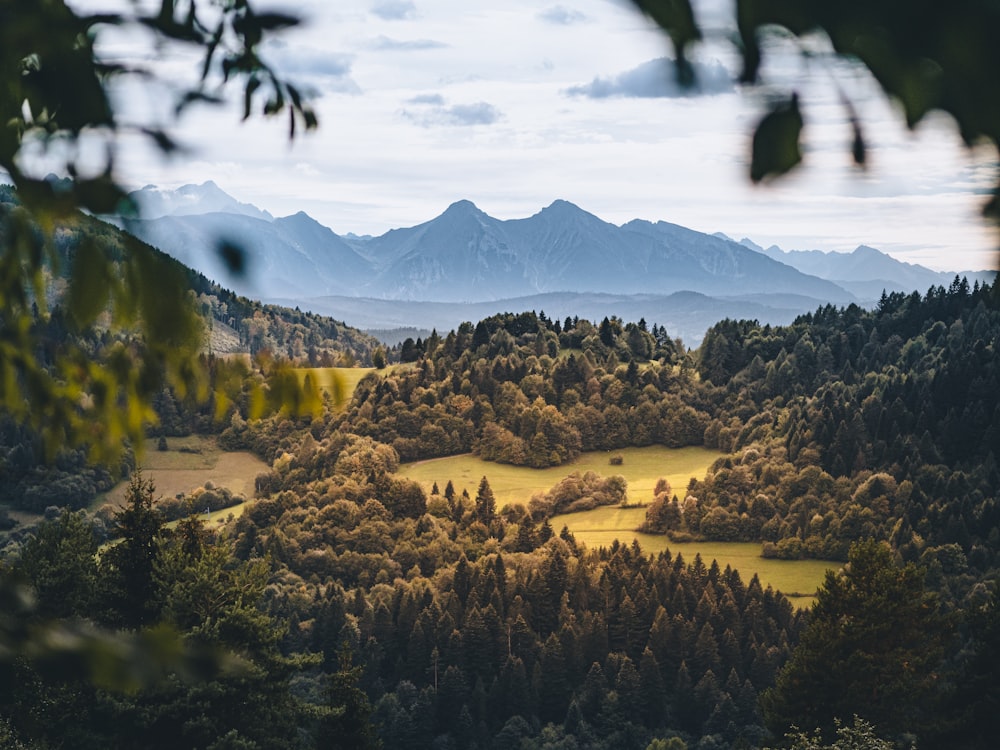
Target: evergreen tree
873, 648
59, 562
486, 504
129, 564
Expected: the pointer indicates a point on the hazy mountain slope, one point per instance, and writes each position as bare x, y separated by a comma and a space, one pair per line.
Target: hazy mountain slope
564, 248
866, 271
206, 198
463, 254
334, 257
702, 262
293, 256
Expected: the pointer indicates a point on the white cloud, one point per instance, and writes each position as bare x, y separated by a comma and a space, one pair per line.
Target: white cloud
478, 113
658, 79
326, 71
395, 10
426, 99
386, 43
562, 16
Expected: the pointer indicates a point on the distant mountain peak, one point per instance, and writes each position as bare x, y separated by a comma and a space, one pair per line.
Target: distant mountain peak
192, 200
561, 205
749, 243
463, 206
300, 216
563, 210
867, 250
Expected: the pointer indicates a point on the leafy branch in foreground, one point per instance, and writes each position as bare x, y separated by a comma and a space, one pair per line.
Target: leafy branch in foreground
77, 649
59, 115
925, 56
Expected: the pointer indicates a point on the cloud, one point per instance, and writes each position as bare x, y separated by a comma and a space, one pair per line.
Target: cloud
395, 10
562, 16
656, 79
427, 99
480, 113
434, 112
328, 71
385, 43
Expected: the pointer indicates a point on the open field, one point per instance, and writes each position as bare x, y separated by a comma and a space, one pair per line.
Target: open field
797, 579
188, 463
516, 484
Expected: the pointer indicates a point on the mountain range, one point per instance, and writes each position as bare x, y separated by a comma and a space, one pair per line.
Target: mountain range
865, 272
465, 262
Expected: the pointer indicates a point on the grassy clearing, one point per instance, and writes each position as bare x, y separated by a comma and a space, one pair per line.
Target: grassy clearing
797, 579
600, 527
516, 484
189, 463
216, 518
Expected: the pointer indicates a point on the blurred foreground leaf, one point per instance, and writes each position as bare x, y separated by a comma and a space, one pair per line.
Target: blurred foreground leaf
118, 661
776, 141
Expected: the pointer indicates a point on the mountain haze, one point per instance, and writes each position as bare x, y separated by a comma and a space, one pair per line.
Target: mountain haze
687, 315
466, 255
465, 264
208, 197
865, 272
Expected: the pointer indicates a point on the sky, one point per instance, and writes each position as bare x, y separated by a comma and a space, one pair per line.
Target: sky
514, 104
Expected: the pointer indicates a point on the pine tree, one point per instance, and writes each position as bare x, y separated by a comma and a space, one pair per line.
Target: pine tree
486, 504
128, 565
873, 648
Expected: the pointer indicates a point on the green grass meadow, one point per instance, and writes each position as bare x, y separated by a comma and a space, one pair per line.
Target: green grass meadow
187, 464
600, 527
516, 484
336, 382
797, 579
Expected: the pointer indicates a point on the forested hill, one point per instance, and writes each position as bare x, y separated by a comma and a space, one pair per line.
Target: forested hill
846, 424
369, 606
851, 423
526, 389
231, 324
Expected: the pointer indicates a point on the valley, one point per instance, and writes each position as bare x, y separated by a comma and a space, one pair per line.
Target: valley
640, 467
509, 530
580, 386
